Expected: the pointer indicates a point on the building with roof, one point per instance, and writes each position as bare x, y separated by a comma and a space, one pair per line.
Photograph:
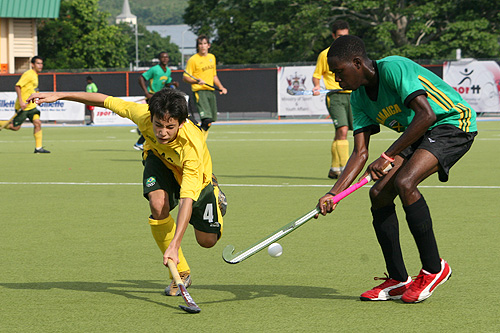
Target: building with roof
18, 37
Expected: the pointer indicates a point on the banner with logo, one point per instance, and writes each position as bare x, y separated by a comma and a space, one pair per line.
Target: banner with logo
298, 79
477, 81
60, 110
104, 116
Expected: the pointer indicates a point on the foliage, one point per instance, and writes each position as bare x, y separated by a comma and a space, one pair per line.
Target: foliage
263, 31
148, 12
81, 38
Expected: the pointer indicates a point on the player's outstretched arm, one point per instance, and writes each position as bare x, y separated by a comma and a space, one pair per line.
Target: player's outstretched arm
94, 99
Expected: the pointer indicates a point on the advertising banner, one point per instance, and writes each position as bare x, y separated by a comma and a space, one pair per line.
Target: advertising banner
104, 116
292, 80
477, 81
60, 110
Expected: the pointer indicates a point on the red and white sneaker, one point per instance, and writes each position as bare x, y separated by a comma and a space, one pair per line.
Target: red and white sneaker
389, 289
425, 283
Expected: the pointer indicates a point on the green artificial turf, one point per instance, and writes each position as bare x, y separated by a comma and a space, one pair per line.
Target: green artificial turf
77, 254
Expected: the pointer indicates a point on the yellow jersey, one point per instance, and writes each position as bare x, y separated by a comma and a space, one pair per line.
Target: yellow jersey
187, 155
28, 83
322, 69
204, 68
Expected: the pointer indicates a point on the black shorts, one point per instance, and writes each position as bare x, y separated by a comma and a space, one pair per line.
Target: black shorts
22, 115
447, 142
205, 215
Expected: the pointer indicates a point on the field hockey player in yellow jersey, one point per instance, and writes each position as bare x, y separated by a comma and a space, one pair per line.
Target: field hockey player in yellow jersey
337, 104
177, 170
202, 75
27, 85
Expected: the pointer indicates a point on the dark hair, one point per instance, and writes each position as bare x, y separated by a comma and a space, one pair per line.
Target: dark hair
159, 54
169, 103
339, 25
347, 47
35, 59
89, 78
200, 38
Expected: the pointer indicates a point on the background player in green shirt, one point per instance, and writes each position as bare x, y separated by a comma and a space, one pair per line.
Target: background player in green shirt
438, 128
154, 80
90, 88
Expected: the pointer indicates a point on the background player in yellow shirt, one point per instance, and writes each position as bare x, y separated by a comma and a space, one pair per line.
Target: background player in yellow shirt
177, 170
202, 66
27, 85
337, 104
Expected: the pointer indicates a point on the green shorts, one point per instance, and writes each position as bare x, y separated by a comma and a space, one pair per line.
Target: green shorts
339, 108
157, 176
206, 103
22, 115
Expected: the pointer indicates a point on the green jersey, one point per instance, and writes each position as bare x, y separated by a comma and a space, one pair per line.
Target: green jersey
157, 78
91, 87
400, 81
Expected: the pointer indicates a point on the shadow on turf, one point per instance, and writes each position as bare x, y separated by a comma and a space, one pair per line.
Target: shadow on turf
125, 288
250, 292
130, 289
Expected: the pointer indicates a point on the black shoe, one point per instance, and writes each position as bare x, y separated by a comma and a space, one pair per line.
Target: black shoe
41, 151
333, 174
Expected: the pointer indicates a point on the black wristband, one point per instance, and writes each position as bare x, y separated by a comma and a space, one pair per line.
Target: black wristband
331, 193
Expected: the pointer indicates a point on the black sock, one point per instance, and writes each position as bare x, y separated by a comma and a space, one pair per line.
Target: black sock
420, 224
141, 140
385, 222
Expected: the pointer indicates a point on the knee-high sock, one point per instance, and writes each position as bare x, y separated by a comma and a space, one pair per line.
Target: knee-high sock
38, 139
343, 151
3, 122
335, 157
385, 222
419, 221
163, 232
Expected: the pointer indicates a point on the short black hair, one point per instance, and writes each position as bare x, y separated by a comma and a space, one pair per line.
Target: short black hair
339, 25
159, 54
347, 47
89, 78
34, 59
169, 103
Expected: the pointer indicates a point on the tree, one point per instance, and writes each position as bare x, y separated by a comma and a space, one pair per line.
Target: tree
81, 38
269, 31
149, 45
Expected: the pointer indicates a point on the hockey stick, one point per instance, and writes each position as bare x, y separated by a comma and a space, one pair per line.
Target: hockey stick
198, 80
230, 258
8, 122
191, 305
310, 92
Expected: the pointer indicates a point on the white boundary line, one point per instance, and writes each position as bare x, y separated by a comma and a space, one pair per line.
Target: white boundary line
242, 185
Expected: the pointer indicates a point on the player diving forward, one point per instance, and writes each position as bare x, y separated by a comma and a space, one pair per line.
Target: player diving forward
177, 170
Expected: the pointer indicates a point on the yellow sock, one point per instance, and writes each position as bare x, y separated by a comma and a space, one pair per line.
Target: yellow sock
38, 139
335, 156
3, 123
343, 151
163, 232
